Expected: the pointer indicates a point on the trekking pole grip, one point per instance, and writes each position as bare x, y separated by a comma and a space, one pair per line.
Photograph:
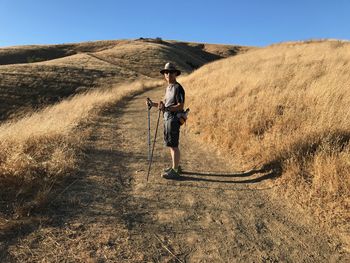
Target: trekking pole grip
149, 103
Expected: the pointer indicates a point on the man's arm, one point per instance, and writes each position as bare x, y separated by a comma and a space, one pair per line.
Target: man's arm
159, 105
175, 108
155, 104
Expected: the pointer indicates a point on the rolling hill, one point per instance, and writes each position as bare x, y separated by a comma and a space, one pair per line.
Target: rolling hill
32, 77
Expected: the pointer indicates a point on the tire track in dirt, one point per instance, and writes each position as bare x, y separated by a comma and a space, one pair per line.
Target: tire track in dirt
216, 214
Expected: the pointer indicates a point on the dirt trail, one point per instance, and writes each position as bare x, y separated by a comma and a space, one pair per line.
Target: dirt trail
109, 213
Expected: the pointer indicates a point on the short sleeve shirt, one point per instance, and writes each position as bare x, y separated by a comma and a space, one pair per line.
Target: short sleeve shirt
174, 94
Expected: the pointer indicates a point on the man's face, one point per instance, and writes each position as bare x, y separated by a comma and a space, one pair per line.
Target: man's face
170, 76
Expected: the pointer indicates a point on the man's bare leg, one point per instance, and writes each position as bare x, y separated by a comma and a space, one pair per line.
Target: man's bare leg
175, 157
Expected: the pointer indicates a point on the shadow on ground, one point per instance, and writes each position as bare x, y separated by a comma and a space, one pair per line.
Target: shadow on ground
265, 173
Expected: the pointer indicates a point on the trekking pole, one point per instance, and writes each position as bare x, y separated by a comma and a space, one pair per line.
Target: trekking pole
149, 106
154, 142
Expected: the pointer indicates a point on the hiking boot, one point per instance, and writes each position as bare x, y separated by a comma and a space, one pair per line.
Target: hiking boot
179, 170
172, 174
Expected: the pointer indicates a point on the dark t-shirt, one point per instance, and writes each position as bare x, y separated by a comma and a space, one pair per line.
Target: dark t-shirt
174, 94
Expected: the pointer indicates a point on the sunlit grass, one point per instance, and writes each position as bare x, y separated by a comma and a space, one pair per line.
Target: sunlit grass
40, 148
285, 105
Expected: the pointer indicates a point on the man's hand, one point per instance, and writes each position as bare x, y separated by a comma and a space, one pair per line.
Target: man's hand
161, 106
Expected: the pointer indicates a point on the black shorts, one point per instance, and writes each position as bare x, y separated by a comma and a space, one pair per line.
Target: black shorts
171, 132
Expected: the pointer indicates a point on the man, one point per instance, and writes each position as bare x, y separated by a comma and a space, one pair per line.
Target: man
173, 103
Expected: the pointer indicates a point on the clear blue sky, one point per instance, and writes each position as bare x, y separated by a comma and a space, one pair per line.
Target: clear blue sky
244, 22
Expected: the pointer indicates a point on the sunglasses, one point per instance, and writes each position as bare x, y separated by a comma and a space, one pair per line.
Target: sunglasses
169, 72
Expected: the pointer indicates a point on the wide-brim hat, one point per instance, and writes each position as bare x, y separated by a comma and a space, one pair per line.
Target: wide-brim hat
170, 67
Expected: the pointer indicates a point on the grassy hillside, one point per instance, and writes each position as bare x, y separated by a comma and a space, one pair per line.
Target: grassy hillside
40, 150
48, 74
285, 107
37, 53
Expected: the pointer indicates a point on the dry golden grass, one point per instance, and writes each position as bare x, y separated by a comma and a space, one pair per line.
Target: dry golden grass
286, 105
46, 145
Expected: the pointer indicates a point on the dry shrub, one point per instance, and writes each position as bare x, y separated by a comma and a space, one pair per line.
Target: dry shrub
44, 146
286, 105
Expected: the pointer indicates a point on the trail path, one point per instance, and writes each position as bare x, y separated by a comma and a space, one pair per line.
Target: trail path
109, 213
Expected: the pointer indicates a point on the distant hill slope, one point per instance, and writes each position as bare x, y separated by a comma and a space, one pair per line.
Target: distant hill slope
34, 76
36, 53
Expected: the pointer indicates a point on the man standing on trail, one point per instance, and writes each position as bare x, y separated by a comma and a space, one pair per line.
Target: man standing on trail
173, 103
